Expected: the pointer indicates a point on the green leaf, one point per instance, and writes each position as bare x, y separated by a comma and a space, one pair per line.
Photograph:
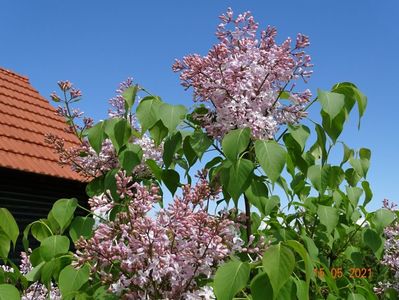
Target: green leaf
40, 231
230, 278
48, 269
102, 294
353, 296
257, 194
239, 177
4, 244
119, 131
352, 177
110, 183
288, 291
331, 103
8, 225
302, 291
360, 166
321, 142
383, 218
334, 127
367, 191
95, 187
236, 142
311, 247
213, 162
71, 280
335, 177
200, 142
318, 177
328, 217
354, 194
81, 226
300, 249
272, 158
96, 136
373, 240
261, 288
348, 153
172, 115
9, 292
130, 157
271, 203
130, 95
352, 93
279, 263
63, 211
171, 145
189, 153
300, 134
155, 169
171, 179
53, 246
148, 112
34, 274
35, 257
158, 132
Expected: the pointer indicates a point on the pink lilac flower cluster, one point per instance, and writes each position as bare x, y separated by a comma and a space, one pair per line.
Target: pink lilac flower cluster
36, 290
118, 103
82, 158
142, 256
245, 77
391, 252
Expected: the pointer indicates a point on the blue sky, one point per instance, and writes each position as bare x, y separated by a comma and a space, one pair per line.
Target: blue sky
97, 44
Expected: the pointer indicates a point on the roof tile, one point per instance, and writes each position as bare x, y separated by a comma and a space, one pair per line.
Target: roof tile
25, 118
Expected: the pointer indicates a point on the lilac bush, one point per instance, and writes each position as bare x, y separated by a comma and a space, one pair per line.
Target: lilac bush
227, 234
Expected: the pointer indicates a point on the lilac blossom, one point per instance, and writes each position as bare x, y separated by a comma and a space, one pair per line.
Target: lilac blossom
37, 290
159, 256
244, 78
391, 252
82, 158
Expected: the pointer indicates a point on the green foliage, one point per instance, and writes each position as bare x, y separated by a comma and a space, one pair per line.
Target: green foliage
119, 132
81, 226
148, 112
8, 231
171, 145
53, 246
71, 280
236, 142
278, 262
96, 136
63, 211
129, 95
238, 176
271, 157
172, 115
231, 278
9, 292
158, 132
311, 231
130, 157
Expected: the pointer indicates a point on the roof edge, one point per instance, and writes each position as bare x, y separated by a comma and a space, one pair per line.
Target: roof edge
12, 73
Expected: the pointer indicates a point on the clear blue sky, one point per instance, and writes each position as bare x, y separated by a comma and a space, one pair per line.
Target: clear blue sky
97, 44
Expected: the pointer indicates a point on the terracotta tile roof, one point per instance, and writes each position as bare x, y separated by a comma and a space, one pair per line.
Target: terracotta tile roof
25, 118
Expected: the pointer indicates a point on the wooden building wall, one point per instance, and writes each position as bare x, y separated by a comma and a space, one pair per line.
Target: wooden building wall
30, 196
